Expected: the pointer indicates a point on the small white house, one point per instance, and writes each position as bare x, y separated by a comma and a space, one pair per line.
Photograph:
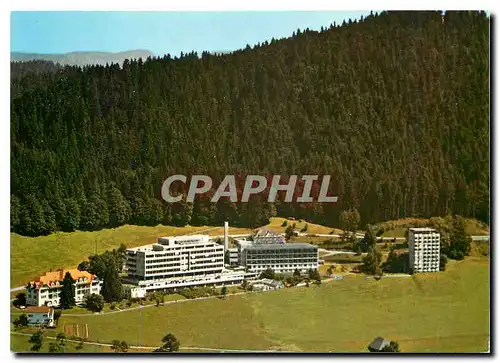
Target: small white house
267, 285
137, 292
40, 316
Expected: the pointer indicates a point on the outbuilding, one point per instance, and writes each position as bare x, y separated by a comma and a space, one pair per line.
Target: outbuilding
378, 344
40, 316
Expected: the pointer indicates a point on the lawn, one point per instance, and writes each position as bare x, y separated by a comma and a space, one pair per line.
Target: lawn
32, 256
397, 228
20, 344
438, 312
276, 226
397, 232
344, 258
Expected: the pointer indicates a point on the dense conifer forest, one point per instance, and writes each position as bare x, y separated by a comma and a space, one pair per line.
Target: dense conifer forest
395, 107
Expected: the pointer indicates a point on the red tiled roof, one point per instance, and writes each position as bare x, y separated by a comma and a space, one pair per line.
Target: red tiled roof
38, 309
58, 276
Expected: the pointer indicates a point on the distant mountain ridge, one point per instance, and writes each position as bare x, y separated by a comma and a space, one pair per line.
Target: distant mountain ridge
82, 58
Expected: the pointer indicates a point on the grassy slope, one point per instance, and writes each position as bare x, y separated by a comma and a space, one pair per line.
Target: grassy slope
276, 225
473, 227
20, 344
442, 312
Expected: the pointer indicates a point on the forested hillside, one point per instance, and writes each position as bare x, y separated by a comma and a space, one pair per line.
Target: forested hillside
395, 107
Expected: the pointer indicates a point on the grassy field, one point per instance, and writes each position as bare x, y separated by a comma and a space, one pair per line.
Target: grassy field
276, 225
20, 344
344, 258
439, 312
399, 226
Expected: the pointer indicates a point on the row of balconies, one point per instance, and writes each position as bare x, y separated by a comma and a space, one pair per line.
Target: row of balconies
295, 260
185, 268
261, 266
288, 256
185, 256
282, 251
180, 275
182, 251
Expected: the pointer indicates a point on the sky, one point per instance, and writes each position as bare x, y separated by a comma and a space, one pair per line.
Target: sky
159, 32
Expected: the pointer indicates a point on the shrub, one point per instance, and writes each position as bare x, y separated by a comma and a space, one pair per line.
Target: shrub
20, 299
20, 322
95, 302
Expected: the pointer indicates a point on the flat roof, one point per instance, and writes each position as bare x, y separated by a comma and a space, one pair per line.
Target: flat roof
422, 229
38, 309
277, 246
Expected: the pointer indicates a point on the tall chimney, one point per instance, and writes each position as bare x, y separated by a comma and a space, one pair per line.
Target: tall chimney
226, 236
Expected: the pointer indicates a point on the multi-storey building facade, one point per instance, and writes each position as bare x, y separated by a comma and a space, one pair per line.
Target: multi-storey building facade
179, 262
45, 289
424, 249
233, 256
281, 257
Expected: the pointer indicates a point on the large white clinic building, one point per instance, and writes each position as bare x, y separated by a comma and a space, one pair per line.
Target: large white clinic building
279, 257
46, 288
424, 249
176, 262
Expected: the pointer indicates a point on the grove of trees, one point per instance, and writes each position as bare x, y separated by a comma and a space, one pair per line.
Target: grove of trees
395, 107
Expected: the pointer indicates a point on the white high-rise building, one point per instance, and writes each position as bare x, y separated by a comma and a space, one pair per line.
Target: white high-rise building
424, 249
176, 262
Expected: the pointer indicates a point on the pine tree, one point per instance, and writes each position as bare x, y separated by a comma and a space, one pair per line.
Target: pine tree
32, 221
67, 293
118, 207
15, 211
112, 289
460, 241
72, 220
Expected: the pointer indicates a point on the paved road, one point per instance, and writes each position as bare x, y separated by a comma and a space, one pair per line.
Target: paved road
334, 252
480, 238
474, 238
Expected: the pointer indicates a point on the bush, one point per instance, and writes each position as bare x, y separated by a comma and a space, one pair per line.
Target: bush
396, 262
95, 302
112, 306
197, 292
443, 260
20, 299
20, 322
267, 274
284, 224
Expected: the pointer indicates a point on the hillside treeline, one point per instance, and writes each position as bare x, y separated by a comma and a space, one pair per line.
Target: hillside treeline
395, 107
